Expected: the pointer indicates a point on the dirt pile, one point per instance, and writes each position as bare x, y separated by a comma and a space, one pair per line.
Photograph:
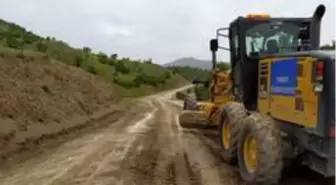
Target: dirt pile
39, 95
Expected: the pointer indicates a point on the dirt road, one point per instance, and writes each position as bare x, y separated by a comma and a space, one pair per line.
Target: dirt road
145, 146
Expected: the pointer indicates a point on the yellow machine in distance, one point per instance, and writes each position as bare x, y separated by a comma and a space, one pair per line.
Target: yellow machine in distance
278, 104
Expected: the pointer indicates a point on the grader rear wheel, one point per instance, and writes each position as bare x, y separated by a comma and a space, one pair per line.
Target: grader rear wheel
226, 130
259, 151
250, 153
229, 127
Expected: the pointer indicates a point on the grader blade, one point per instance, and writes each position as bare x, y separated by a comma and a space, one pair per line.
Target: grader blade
195, 120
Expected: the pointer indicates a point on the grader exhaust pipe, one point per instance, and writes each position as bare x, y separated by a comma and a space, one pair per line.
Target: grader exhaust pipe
315, 27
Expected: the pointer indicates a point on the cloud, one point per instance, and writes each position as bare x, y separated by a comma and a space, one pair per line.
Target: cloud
162, 30
113, 30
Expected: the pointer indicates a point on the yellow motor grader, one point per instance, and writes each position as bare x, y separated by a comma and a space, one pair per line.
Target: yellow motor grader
277, 101
206, 113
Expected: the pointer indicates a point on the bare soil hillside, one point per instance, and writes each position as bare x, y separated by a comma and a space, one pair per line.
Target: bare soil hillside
40, 96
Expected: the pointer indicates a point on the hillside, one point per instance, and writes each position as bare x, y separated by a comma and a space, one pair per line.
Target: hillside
50, 88
130, 77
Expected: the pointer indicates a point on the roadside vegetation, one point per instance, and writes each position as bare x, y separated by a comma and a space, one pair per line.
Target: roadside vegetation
198, 75
130, 77
50, 89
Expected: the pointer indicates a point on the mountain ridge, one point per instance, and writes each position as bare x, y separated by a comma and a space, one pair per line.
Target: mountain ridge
191, 62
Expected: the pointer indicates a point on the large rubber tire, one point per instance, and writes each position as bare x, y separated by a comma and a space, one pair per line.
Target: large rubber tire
269, 151
231, 115
190, 102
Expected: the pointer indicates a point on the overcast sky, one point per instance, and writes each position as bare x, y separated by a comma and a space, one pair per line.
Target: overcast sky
162, 30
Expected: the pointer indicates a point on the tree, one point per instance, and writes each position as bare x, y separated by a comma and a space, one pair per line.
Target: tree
41, 47
114, 57
167, 75
223, 65
102, 57
328, 47
149, 61
120, 67
87, 50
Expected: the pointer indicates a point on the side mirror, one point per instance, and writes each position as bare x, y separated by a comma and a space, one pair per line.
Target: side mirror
213, 45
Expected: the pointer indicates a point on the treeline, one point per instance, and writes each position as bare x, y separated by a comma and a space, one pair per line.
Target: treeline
328, 46
197, 74
191, 73
123, 71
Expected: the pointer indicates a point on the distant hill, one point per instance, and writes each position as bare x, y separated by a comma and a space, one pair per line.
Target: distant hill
194, 69
191, 62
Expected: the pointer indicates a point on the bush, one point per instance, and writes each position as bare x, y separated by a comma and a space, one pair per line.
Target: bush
78, 61
13, 42
123, 83
102, 58
145, 79
120, 67
180, 95
91, 69
41, 47
202, 93
167, 75
20, 55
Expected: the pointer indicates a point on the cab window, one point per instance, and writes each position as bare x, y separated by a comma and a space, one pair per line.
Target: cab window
271, 38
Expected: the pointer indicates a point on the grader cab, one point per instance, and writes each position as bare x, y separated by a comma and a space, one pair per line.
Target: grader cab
278, 102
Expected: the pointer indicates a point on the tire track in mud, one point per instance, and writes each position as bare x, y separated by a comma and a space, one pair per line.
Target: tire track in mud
139, 164
295, 175
63, 165
146, 146
161, 160
187, 156
123, 153
186, 173
104, 168
204, 156
177, 161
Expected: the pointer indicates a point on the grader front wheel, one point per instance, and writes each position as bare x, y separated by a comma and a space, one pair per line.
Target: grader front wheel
190, 102
229, 127
259, 151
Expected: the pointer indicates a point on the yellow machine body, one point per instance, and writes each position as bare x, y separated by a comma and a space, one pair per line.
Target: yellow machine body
300, 108
282, 106
220, 94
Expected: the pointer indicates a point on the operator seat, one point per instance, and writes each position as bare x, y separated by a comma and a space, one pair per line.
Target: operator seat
272, 47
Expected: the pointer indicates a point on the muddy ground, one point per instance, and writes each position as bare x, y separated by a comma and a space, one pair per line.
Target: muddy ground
143, 145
